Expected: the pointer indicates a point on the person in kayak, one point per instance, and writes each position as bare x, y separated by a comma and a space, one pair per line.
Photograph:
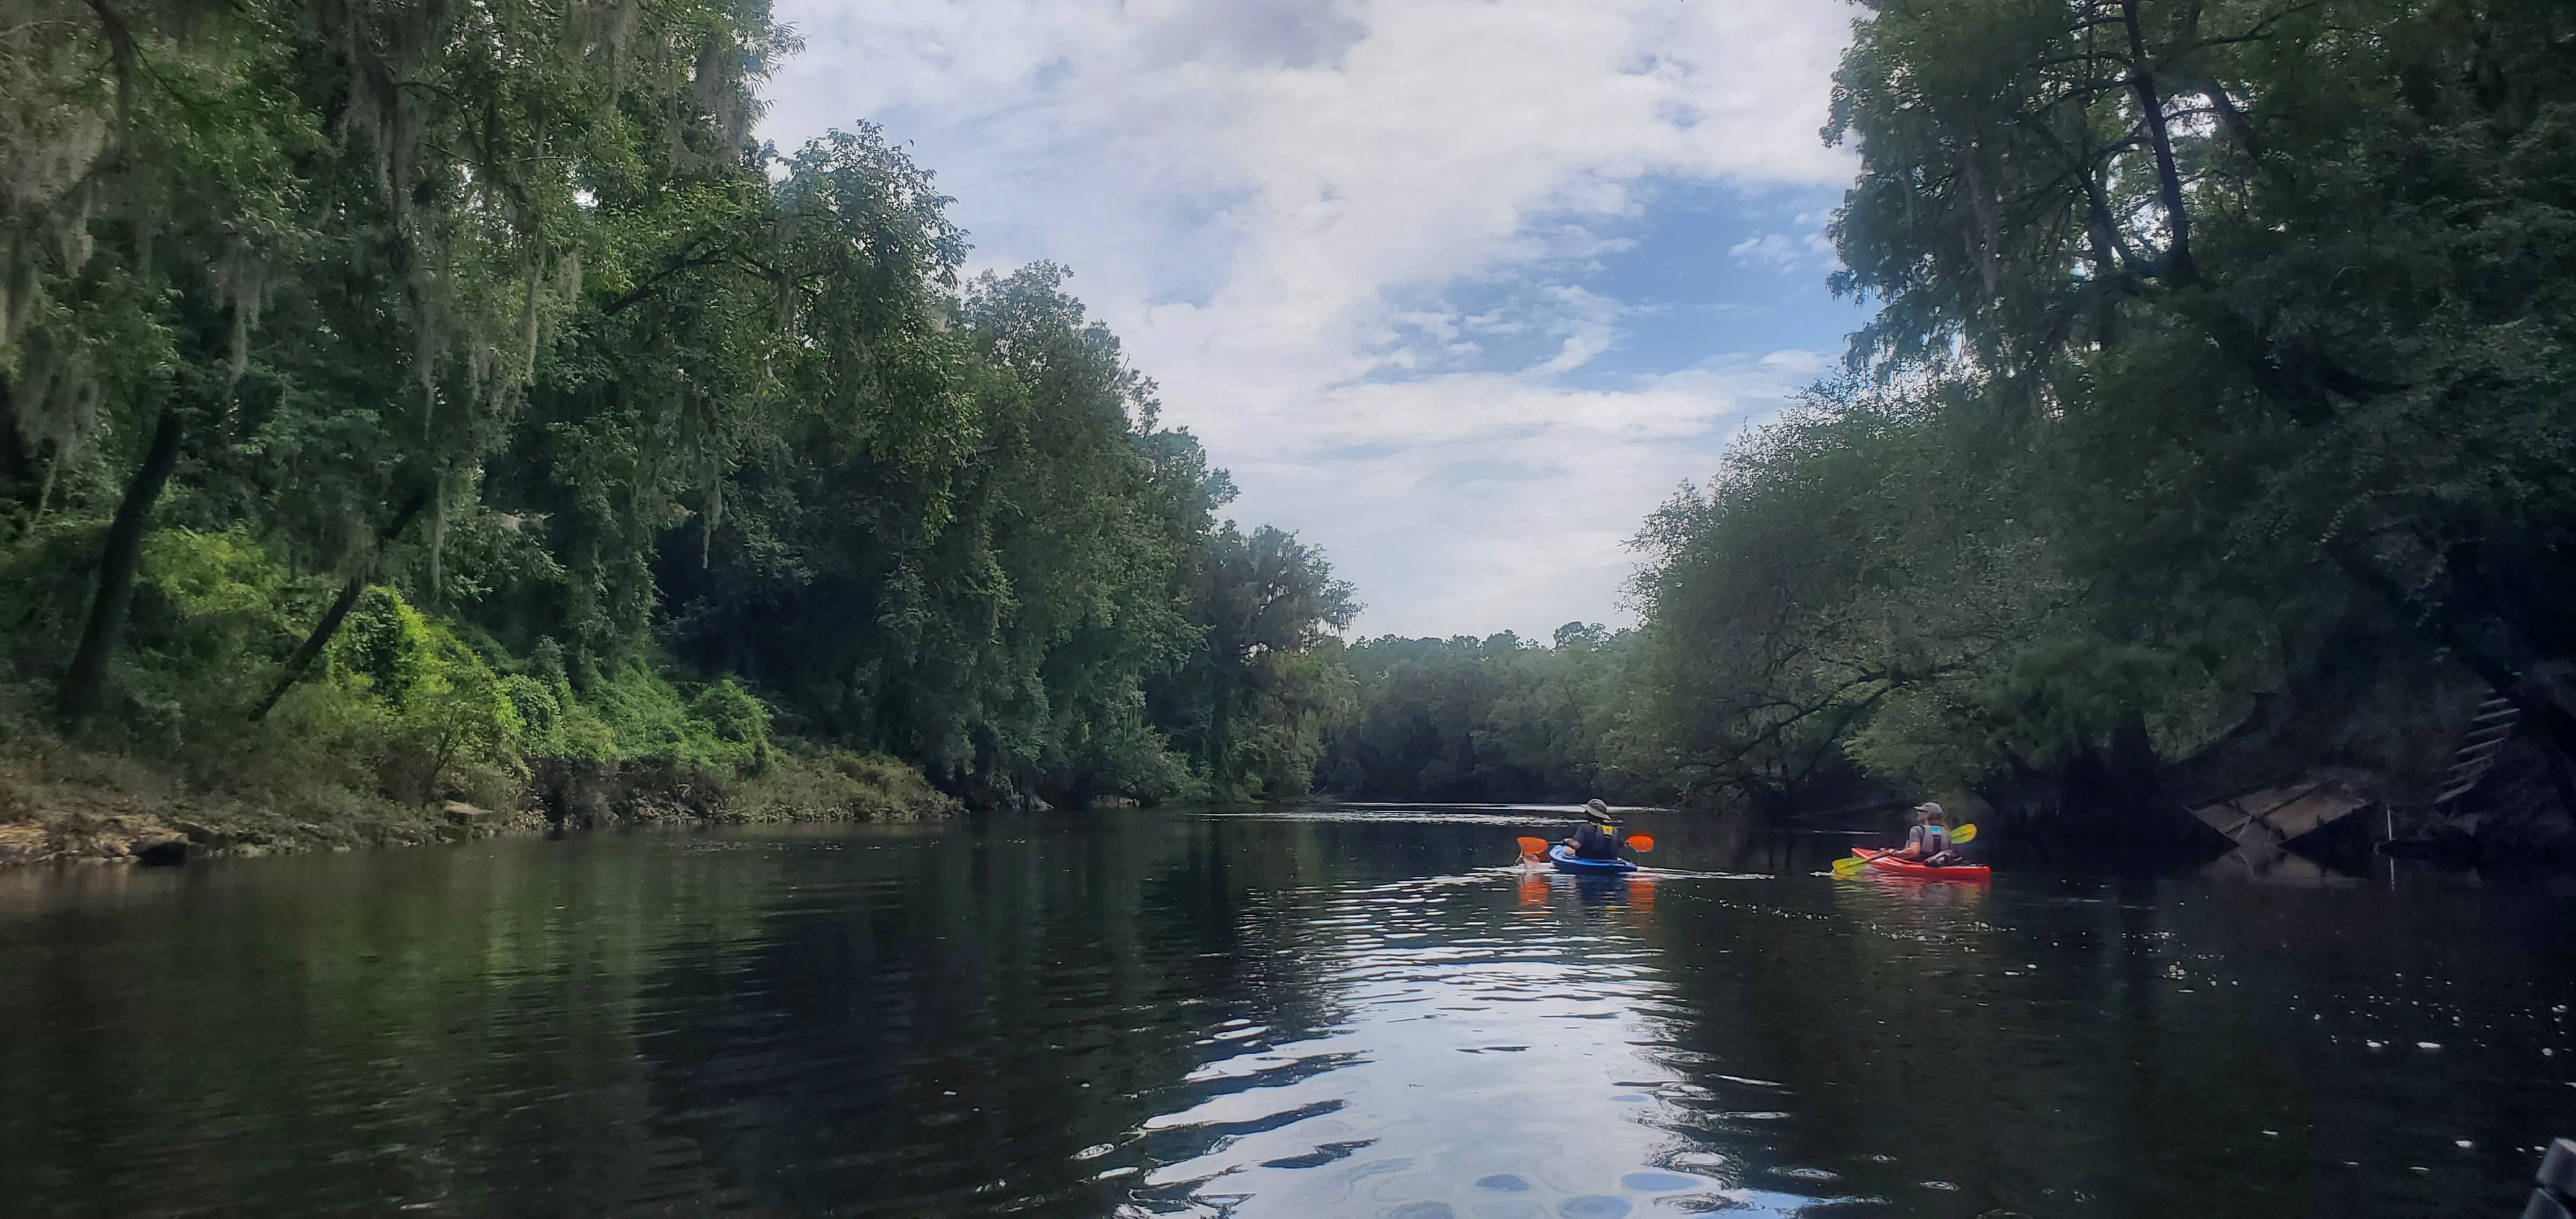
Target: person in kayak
1929, 841
1598, 837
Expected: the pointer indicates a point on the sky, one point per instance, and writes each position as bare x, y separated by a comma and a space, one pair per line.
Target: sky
1459, 290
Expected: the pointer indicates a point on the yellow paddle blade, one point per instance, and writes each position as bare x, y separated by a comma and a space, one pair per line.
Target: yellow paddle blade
1849, 865
1964, 833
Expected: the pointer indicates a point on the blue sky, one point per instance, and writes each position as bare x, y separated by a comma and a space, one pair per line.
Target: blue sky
1459, 289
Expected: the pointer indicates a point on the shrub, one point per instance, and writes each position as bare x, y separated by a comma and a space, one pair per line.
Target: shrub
449, 707
814, 783
408, 706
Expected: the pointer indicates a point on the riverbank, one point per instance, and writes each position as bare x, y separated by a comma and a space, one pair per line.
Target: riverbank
64, 803
409, 726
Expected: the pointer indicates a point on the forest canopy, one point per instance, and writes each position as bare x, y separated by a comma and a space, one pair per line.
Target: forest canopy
464, 387
2213, 421
2216, 402
429, 395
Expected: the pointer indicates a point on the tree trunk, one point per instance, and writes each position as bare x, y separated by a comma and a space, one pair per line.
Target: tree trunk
2134, 772
17, 461
84, 687
320, 637
1220, 729
314, 642
2181, 271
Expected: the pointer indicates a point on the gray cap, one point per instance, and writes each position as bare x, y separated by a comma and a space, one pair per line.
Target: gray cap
1929, 809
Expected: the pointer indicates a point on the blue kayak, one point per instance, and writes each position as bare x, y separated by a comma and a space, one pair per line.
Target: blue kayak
1566, 860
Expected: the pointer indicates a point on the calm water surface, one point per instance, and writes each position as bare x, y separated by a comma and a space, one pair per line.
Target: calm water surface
1362, 1013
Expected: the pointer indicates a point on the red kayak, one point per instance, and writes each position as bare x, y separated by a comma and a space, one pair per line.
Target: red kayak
1883, 863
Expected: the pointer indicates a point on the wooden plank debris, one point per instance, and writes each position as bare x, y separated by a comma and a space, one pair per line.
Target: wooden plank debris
2275, 814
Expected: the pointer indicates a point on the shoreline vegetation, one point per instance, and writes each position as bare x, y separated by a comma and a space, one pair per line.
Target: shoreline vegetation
416, 420
410, 411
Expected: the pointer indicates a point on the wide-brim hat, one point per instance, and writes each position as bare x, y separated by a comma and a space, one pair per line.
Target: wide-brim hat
1597, 811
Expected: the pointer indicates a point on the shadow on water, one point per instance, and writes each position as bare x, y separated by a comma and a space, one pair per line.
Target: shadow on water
1367, 1012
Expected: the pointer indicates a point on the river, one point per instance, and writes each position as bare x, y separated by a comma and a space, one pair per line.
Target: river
1324, 1012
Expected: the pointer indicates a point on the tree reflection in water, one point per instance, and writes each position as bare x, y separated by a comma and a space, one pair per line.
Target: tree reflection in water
1312, 1013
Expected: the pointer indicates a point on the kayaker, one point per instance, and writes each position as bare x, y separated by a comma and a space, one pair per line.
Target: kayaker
1929, 841
1597, 837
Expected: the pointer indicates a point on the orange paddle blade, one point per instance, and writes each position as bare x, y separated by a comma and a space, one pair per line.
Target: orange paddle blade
1640, 843
1533, 846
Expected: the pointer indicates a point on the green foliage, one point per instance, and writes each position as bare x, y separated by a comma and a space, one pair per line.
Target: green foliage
1042, 618
449, 703
2317, 314
811, 783
2222, 355
1249, 700
554, 722
1496, 719
498, 314
1873, 578
446, 705
210, 602
720, 728
2038, 710
410, 707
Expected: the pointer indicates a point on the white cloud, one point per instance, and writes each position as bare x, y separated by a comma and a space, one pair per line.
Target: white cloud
1498, 500
1268, 201
1790, 253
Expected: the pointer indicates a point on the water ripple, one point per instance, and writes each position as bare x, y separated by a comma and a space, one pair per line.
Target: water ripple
1480, 1064
1347, 1014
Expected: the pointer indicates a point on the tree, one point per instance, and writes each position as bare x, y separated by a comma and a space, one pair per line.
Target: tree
1251, 700
1494, 719
2217, 342
2284, 286
335, 239
497, 314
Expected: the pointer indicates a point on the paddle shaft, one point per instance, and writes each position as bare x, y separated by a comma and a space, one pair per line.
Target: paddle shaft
1851, 865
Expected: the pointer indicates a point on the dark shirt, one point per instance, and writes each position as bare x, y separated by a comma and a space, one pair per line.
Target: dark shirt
1594, 842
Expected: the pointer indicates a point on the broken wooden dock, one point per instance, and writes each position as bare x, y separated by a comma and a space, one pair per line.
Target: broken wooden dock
2268, 816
